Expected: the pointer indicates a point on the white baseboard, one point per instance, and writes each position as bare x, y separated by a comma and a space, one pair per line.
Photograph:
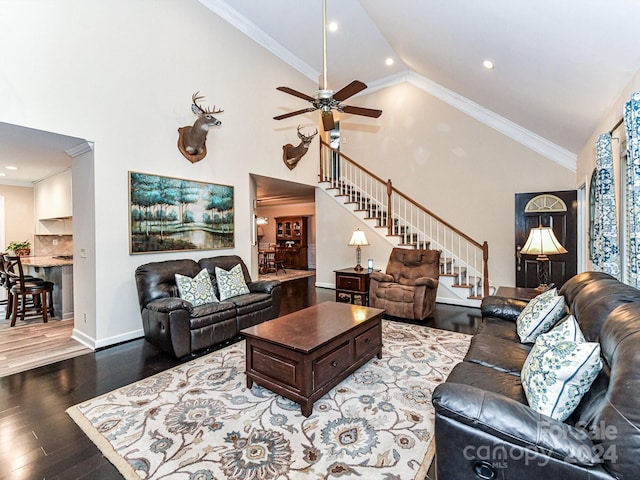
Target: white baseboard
94, 344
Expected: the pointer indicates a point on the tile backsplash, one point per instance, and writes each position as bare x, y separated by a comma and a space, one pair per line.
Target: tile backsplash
43, 245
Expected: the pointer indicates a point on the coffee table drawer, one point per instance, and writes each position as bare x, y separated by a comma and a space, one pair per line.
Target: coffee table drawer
331, 365
367, 341
271, 366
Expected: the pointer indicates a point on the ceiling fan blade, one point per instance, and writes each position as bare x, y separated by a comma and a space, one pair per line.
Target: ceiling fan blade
350, 90
291, 114
327, 121
295, 93
365, 112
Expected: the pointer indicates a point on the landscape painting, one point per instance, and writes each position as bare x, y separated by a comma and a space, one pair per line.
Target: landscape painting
172, 214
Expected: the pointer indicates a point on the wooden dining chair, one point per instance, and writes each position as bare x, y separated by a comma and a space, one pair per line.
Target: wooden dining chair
24, 294
278, 259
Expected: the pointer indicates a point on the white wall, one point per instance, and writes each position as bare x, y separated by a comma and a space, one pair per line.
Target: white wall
121, 74
18, 209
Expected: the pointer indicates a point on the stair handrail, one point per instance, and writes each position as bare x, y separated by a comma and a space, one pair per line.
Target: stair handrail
484, 246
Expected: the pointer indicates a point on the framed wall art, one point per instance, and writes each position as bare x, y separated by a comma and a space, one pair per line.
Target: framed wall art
173, 214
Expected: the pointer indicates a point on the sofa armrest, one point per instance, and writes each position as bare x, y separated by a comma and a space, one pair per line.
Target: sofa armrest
169, 304
502, 307
513, 422
381, 277
263, 286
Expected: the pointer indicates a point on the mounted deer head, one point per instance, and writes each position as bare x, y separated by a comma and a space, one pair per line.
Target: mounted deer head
191, 140
291, 155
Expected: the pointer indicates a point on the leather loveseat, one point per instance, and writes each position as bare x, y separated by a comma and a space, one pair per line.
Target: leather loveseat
176, 326
484, 428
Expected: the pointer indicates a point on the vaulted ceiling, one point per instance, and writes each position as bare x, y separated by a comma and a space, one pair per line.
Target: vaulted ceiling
559, 65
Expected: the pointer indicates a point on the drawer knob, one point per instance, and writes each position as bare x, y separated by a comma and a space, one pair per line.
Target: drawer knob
367, 340
334, 364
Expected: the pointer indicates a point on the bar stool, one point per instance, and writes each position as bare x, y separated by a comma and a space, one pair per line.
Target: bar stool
21, 290
4, 283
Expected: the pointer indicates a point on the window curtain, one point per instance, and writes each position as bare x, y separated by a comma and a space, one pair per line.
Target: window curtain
632, 178
605, 248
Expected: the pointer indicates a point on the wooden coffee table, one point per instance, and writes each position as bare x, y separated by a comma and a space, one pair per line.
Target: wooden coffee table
303, 355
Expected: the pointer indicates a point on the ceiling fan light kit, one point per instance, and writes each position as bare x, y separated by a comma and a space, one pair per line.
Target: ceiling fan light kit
324, 99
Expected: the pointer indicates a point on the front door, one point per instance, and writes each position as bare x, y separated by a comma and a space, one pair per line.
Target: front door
557, 210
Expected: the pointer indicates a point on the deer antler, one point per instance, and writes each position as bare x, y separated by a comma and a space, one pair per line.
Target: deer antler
302, 136
195, 97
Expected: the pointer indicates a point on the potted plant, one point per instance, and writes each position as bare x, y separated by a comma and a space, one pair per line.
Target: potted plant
21, 249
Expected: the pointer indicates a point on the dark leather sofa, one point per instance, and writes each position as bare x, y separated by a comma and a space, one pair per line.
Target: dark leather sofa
177, 327
484, 428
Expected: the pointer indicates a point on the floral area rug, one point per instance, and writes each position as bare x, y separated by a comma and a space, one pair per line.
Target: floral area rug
198, 421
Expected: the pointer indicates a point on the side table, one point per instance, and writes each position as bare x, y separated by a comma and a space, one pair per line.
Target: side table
519, 293
352, 283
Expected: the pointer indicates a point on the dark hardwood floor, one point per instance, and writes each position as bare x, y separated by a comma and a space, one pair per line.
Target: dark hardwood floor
38, 440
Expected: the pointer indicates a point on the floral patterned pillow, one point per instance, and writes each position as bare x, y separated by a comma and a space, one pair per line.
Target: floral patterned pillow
565, 329
197, 290
231, 283
540, 315
558, 372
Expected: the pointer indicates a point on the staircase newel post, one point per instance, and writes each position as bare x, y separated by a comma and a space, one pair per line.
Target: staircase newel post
485, 259
389, 222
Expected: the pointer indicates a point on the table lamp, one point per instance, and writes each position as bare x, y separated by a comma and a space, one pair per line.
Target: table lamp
358, 239
542, 242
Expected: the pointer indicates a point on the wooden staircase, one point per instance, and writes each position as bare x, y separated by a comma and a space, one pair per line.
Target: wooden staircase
405, 223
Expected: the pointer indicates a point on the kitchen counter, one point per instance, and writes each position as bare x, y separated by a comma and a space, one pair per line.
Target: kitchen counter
59, 271
46, 261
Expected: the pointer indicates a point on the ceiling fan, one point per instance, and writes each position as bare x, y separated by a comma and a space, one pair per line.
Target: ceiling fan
326, 100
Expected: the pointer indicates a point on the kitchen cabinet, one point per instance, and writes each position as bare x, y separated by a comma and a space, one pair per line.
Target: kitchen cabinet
53, 197
53, 205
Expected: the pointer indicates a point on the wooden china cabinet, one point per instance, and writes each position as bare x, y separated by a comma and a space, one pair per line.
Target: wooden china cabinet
291, 237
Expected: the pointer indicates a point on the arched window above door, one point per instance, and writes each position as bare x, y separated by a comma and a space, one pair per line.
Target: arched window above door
545, 203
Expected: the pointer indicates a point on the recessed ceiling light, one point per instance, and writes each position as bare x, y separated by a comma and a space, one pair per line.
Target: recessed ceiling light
2, 174
388, 62
488, 64
11, 167
333, 26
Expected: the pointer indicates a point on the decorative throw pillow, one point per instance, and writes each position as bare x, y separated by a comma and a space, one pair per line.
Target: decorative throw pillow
231, 283
565, 329
540, 315
557, 372
197, 290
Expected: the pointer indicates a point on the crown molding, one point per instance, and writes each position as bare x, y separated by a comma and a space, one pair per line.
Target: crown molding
499, 123
508, 128
242, 23
79, 149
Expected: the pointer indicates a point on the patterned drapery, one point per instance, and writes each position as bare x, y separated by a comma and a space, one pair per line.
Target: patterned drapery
605, 250
632, 245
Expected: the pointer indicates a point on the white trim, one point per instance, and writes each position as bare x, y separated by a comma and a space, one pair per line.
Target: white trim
242, 23
512, 130
105, 342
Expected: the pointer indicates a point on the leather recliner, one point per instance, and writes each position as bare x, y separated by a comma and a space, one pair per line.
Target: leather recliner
409, 286
177, 327
484, 428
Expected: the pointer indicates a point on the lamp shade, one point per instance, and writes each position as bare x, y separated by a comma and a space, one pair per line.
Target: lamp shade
358, 239
542, 241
